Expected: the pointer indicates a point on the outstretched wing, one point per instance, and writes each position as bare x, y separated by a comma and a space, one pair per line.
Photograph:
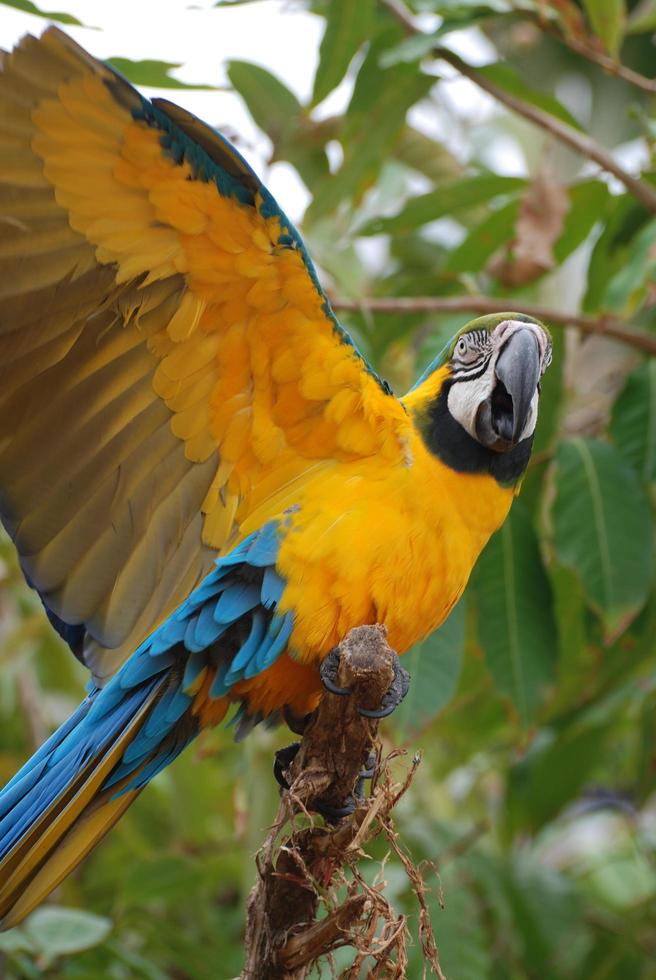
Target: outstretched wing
169, 366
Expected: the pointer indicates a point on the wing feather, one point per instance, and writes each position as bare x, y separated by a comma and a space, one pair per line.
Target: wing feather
170, 366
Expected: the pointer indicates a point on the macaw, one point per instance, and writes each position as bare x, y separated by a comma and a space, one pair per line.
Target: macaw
206, 483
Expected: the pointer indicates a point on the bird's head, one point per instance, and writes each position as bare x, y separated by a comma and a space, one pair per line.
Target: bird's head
477, 404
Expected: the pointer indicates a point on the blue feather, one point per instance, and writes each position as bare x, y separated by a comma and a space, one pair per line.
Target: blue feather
166, 712
206, 630
221, 684
170, 633
18, 787
248, 650
272, 589
277, 641
139, 668
264, 547
236, 601
195, 664
55, 739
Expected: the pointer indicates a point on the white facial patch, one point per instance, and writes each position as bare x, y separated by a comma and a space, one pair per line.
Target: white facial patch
466, 396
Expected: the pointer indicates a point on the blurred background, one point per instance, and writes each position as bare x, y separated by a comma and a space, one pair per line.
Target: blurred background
439, 152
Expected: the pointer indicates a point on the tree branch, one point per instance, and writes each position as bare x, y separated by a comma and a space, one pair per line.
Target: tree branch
587, 50
566, 134
604, 326
301, 868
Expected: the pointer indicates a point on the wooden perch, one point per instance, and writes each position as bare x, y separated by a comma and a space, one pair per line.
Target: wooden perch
300, 868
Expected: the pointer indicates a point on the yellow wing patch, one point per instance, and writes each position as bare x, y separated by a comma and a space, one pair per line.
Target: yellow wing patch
194, 379
254, 366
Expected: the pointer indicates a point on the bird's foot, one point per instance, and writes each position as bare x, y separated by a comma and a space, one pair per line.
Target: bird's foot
332, 813
296, 723
282, 761
391, 698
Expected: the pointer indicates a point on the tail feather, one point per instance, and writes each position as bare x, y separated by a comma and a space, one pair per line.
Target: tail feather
29, 888
59, 806
73, 790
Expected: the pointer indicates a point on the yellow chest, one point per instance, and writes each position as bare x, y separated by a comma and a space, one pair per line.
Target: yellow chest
370, 543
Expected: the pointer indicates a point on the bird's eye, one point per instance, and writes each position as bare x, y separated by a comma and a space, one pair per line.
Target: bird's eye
466, 350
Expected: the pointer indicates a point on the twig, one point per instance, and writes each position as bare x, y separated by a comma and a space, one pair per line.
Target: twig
562, 131
300, 868
567, 134
608, 64
605, 326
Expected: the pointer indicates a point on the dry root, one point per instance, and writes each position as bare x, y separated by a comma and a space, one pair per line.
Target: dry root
311, 897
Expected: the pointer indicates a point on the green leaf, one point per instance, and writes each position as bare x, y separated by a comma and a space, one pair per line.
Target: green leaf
602, 529
626, 289
587, 206
158, 879
428, 157
153, 73
516, 626
551, 775
462, 939
633, 422
55, 931
309, 159
484, 239
505, 77
642, 18
624, 218
447, 200
371, 128
607, 19
14, 941
410, 49
434, 665
31, 8
347, 26
548, 909
274, 108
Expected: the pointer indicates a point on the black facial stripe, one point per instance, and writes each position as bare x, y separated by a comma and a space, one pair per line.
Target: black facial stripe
472, 372
447, 439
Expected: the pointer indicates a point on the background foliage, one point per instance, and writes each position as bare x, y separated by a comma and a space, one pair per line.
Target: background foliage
535, 705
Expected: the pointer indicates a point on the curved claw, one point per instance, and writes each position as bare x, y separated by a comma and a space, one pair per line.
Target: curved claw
334, 689
328, 673
378, 713
334, 813
393, 695
282, 760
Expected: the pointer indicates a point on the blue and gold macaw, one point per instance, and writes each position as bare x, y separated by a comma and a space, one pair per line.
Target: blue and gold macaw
206, 483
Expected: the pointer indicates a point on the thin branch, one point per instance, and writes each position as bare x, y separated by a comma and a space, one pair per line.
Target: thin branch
573, 138
567, 134
600, 58
603, 326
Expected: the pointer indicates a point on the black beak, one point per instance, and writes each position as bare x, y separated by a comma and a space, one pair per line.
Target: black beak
502, 417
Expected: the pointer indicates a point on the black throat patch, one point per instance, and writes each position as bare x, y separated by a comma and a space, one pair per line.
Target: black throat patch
447, 440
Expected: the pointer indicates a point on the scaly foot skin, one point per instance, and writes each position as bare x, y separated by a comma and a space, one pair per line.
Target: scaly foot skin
390, 700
